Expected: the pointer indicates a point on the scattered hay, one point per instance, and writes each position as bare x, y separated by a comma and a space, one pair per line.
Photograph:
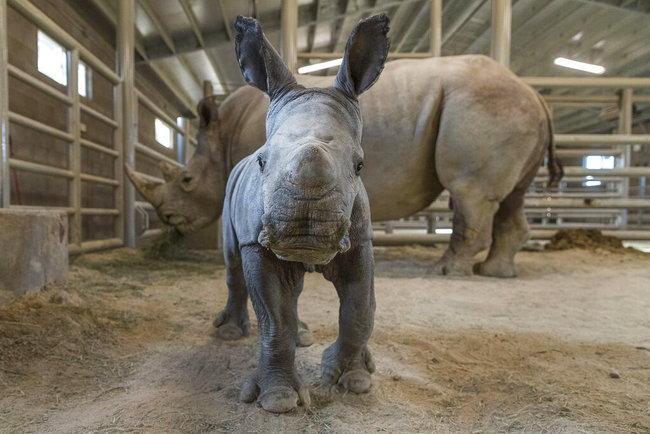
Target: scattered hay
167, 245
589, 239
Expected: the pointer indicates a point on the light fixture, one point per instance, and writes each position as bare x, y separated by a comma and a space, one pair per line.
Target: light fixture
319, 66
582, 66
444, 231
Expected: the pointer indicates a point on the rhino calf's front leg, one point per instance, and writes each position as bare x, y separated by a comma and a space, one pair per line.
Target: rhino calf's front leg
273, 287
348, 362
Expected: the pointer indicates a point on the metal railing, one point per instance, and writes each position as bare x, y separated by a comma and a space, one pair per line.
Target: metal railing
72, 134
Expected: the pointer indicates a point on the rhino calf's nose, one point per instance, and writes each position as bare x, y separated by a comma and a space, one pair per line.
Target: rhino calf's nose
311, 166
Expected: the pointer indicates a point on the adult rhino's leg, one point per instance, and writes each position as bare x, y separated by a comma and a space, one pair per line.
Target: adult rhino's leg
509, 233
348, 362
272, 285
305, 338
472, 229
233, 322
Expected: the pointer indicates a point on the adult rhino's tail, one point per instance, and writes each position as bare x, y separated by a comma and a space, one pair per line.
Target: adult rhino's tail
555, 170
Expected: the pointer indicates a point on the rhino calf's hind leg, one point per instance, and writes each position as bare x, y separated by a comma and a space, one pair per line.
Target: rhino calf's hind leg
233, 322
510, 231
472, 228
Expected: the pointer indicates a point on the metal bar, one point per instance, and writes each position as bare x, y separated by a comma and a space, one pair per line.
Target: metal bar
380, 239
95, 245
641, 98
99, 179
600, 173
97, 115
46, 23
150, 233
337, 55
99, 211
5, 187
118, 167
289, 33
501, 30
586, 151
92, 145
67, 210
153, 16
580, 98
125, 46
155, 154
435, 43
613, 82
74, 126
38, 84
39, 126
156, 110
588, 203
189, 13
625, 118
40, 168
605, 139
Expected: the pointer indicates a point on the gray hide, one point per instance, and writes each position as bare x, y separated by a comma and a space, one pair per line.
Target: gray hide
298, 204
464, 123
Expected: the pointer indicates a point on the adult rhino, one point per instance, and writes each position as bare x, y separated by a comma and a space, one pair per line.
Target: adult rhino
464, 123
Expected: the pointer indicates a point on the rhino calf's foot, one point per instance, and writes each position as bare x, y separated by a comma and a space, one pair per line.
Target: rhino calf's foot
275, 395
350, 372
305, 338
231, 327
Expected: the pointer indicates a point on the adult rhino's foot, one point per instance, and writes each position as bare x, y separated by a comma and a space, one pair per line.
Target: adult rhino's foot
350, 372
276, 394
232, 325
305, 338
447, 266
496, 268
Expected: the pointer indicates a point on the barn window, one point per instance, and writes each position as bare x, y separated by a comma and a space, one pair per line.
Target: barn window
52, 59
84, 81
163, 134
599, 162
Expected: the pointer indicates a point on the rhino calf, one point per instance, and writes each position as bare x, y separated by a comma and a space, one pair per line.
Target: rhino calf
297, 205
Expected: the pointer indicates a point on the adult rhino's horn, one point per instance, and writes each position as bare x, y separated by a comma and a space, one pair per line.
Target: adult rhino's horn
149, 189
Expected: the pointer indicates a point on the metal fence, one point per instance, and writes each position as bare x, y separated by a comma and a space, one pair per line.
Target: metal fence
72, 135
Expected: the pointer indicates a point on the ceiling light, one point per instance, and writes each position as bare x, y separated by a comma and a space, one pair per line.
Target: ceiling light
319, 66
574, 64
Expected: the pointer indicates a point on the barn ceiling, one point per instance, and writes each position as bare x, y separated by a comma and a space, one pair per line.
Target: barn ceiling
189, 41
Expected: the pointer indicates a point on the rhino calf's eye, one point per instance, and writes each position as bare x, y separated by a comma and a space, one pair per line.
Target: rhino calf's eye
359, 167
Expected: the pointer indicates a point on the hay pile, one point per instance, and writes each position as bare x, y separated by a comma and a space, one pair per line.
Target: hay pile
589, 239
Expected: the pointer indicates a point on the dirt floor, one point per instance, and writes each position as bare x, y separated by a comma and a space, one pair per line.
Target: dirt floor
128, 346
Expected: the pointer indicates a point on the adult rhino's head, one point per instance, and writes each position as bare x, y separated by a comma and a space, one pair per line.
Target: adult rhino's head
191, 196
312, 158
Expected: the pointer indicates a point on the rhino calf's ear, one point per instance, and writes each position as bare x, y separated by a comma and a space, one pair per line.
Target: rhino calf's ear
365, 55
260, 64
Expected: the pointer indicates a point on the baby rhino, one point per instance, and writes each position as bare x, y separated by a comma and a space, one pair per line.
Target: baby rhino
298, 204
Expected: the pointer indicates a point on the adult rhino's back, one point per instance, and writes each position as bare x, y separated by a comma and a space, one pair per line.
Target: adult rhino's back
426, 122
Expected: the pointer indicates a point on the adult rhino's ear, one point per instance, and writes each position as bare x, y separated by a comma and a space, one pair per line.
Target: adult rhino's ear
260, 64
208, 110
365, 55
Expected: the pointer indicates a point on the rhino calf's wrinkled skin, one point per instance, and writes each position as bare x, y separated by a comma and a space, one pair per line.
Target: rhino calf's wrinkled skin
297, 205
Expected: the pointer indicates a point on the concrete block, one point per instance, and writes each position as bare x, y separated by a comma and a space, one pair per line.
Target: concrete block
33, 249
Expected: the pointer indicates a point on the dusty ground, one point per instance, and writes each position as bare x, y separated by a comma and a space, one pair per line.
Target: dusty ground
127, 346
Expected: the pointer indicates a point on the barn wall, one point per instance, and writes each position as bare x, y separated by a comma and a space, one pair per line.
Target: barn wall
29, 188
